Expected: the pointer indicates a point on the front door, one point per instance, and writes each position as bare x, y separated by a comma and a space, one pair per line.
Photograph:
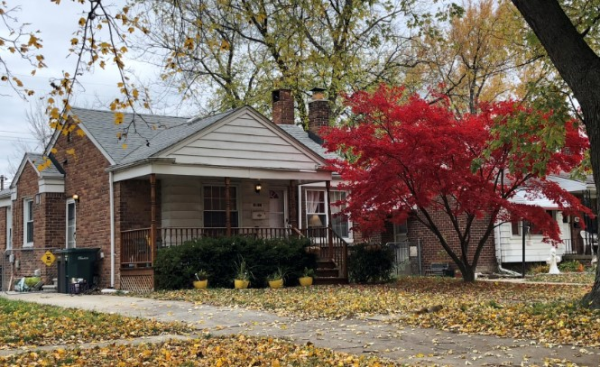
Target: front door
71, 224
277, 217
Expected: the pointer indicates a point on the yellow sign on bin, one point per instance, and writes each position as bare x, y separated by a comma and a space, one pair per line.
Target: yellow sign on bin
48, 258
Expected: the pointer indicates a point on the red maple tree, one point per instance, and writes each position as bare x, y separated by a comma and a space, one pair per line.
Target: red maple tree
405, 156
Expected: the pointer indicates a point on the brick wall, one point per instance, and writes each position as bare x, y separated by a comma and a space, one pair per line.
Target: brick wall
318, 115
431, 247
86, 177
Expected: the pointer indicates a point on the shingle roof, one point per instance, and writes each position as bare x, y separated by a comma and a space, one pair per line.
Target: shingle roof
153, 133
171, 136
299, 134
100, 124
37, 159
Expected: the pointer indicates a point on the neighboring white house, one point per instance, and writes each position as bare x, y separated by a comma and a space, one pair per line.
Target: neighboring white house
509, 236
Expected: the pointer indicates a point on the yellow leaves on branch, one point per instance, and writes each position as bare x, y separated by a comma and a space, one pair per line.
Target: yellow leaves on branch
119, 116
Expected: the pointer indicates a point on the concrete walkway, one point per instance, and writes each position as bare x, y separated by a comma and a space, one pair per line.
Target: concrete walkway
410, 345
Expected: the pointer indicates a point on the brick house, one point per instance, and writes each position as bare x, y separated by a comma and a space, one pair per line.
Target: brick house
232, 173
177, 179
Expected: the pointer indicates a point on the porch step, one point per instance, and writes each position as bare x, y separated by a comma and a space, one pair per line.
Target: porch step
327, 273
329, 280
50, 288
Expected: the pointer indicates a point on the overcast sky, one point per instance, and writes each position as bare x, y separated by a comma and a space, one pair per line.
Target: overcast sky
57, 24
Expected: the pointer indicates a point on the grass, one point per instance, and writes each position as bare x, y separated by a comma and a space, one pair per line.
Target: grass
218, 351
549, 313
573, 277
30, 324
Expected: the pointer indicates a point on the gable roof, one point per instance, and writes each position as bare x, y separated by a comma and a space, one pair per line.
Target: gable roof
36, 159
150, 135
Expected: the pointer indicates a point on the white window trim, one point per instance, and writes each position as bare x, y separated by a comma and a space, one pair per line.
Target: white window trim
26, 221
70, 201
9, 228
350, 237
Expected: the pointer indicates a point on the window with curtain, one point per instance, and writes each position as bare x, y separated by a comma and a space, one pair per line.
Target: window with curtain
316, 216
214, 206
339, 222
28, 222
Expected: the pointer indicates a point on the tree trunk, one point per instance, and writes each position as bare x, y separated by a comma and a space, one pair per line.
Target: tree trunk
579, 66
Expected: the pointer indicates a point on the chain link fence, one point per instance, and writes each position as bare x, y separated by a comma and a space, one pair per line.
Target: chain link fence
16, 264
407, 257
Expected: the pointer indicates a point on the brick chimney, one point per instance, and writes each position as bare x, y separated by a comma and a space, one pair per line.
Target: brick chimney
318, 111
283, 107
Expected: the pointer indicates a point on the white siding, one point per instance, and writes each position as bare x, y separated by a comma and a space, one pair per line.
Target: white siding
243, 142
181, 202
535, 250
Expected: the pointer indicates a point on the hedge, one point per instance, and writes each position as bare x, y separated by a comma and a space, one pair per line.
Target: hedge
174, 267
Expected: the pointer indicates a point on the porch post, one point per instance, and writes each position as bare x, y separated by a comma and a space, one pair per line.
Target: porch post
293, 204
227, 206
152, 216
329, 226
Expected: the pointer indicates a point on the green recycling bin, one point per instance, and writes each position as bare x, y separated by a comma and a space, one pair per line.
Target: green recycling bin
79, 269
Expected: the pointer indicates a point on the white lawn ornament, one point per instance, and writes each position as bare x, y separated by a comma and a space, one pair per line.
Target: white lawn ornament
553, 261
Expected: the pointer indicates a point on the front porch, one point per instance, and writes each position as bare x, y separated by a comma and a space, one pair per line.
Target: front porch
137, 254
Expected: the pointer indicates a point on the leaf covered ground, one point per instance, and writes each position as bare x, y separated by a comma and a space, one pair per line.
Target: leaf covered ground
218, 351
572, 277
548, 313
29, 324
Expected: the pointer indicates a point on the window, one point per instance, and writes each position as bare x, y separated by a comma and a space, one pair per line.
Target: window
9, 228
214, 206
339, 221
28, 222
530, 229
316, 216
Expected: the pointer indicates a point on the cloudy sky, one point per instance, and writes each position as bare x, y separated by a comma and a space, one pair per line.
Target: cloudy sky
57, 24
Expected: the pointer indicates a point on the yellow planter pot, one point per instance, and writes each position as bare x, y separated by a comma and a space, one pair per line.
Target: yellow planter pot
276, 283
241, 284
201, 284
305, 281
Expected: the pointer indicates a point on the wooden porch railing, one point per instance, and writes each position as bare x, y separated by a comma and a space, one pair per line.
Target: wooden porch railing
332, 245
136, 251
135, 244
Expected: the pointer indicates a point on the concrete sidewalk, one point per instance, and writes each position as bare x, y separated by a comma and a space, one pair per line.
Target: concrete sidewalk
413, 346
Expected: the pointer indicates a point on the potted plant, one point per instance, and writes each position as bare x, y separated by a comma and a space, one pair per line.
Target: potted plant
307, 277
276, 279
242, 276
201, 281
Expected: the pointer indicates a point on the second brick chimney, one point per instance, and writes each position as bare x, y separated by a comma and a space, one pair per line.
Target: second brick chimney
283, 107
318, 111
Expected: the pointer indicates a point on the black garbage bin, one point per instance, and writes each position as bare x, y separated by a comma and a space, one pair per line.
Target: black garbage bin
78, 269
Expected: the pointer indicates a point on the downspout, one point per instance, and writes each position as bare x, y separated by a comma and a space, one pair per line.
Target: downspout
112, 229
299, 208
498, 244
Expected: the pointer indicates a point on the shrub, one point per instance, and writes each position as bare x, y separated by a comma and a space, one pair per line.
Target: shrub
571, 266
538, 269
370, 263
174, 267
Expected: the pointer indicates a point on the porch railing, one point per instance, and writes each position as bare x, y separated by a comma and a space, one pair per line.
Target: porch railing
135, 244
332, 246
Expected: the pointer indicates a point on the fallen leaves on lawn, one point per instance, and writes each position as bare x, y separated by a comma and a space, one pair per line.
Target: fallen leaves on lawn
572, 277
547, 313
31, 324
219, 351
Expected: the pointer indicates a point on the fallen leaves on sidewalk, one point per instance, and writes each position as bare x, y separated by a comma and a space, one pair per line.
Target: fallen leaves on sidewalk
29, 324
218, 351
548, 313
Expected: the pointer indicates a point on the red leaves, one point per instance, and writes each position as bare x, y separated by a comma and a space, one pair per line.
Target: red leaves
405, 154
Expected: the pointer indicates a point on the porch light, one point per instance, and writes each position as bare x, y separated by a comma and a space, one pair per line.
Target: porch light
257, 188
76, 198
315, 221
